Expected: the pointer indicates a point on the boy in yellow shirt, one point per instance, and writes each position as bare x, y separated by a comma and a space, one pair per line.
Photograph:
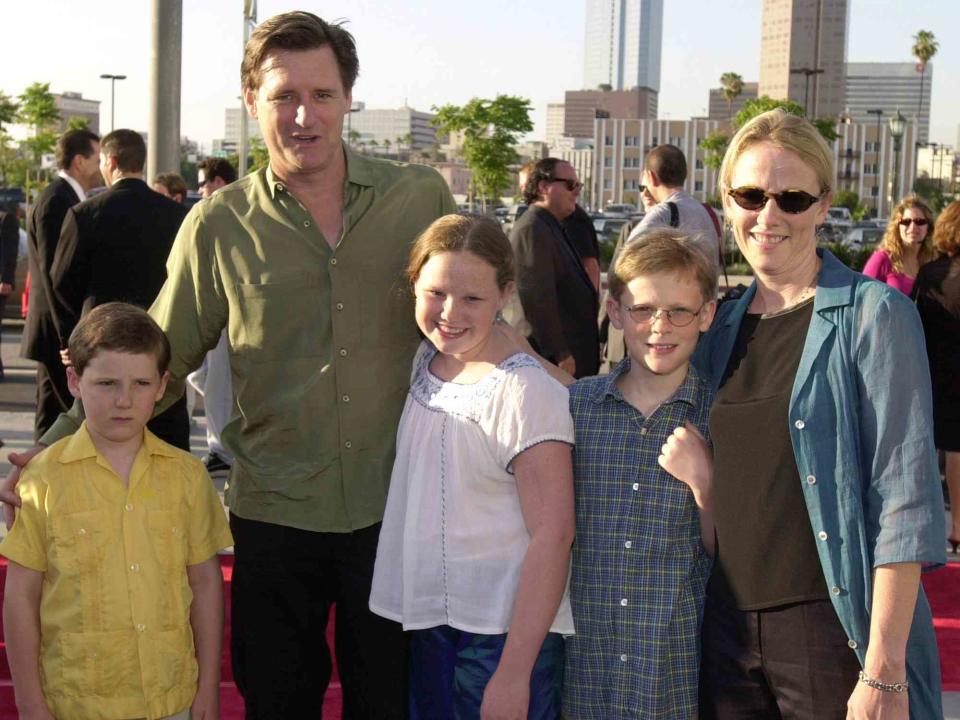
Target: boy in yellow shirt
113, 605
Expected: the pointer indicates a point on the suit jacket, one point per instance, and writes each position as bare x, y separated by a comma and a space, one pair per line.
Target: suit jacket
40, 339
9, 246
559, 301
113, 247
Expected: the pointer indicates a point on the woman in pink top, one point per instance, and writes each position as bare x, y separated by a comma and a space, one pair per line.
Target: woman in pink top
906, 245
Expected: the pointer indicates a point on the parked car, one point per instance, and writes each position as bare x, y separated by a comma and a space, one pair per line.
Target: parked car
860, 237
512, 215
840, 217
619, 210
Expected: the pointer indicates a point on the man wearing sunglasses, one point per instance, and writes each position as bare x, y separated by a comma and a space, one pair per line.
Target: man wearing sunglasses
667, 204
558, 298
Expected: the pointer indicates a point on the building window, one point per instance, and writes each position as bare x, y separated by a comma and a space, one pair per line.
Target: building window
698, 186
608, 161
631, 184
608, 140
654, 140
607, 183
699, 164
875, 191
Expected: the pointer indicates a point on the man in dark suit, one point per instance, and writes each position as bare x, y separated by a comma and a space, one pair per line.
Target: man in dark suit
114, 247
78, 157
9, 249
558, 298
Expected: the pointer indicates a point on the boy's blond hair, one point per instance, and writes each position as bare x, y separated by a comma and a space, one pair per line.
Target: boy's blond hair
663, 250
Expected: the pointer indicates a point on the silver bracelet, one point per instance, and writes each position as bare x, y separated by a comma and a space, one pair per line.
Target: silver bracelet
900, 687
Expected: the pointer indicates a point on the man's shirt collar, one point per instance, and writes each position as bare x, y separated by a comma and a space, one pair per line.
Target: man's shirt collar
77, 187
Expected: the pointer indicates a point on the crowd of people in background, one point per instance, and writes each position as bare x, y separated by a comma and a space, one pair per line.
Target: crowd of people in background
528, 494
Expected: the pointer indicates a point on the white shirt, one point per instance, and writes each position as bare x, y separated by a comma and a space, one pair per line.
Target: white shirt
694, 220
453, 536
77, 187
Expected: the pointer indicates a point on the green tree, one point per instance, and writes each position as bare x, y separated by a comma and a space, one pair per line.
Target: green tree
8, 110
353, 137
925, 46
78, 123
848, 199
731, 85
757, 106
491, 129
259, 157
386, 146
38, 110
714, 147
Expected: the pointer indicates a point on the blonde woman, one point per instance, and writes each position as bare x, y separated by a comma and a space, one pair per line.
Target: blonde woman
906, 246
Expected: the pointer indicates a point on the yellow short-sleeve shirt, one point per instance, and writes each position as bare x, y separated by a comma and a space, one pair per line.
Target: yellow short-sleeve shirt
115, 635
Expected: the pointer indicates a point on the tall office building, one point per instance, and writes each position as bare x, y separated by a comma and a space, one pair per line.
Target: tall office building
622, 44
888, 87
554, 123
800, 38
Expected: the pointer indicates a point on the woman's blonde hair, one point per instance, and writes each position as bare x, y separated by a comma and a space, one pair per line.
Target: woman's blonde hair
787, 132
892, 243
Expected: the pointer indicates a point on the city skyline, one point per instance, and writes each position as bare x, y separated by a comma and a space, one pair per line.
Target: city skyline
428, 55
622, 45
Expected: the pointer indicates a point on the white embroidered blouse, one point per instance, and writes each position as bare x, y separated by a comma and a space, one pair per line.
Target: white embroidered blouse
453, 536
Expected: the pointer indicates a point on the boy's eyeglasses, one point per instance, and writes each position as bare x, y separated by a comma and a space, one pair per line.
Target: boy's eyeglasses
919, 222
678, 317
790, 201
572, 185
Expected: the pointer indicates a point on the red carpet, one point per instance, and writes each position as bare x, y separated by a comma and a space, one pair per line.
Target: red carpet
943, 591
942, 588
231, 704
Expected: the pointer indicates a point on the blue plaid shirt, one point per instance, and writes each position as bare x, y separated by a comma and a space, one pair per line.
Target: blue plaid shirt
639, 568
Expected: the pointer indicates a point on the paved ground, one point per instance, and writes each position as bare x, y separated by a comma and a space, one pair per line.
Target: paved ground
18, 399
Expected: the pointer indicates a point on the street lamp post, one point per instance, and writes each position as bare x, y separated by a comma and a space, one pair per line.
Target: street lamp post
897, 124
113, 82
806, 72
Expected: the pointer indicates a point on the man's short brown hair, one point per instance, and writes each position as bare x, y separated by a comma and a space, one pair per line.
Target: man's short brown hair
298, 31
119, 327
668, 164
128, 147
663, 250
73, 143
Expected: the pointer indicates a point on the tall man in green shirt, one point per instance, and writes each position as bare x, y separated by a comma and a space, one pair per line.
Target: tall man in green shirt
302, 263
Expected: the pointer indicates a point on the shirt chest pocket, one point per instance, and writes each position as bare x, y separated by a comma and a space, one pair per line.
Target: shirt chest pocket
281, 319
82, 541
168, 538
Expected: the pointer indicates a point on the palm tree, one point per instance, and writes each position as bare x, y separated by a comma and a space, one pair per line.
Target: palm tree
353, 137
925, 46
374, 145
731, 86
386, 146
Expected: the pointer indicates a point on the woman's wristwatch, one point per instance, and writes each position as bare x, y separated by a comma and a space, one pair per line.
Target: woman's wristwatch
900, 687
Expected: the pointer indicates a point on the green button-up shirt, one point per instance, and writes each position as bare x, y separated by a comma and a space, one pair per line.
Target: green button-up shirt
320, 340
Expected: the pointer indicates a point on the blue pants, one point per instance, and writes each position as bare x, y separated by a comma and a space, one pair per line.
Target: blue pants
450, 668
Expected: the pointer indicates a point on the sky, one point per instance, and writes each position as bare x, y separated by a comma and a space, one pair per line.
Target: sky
432, 52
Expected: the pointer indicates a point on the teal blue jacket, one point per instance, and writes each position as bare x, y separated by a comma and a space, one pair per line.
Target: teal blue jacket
862, 432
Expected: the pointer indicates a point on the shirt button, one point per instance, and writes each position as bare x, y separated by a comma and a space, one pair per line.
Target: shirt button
643, 431
628, 544
81, 531
346, 398
339, 306
822, 535
128, 507
623, 658
636, 486
835, 590
852, 644
134, 568
811, 480
280, 187
141, 627
348, 444
623, 602
343, 352
306, 223
333, 261
800, 424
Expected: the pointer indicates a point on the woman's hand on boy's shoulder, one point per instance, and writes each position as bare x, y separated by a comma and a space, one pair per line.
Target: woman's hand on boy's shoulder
687, 456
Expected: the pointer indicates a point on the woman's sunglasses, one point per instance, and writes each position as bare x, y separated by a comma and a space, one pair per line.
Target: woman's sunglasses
790, 201
919, 222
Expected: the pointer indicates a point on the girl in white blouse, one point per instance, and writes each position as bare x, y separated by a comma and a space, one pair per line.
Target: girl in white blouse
475, 545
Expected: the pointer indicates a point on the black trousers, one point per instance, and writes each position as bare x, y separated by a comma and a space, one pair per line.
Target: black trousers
284, 581
790, 663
